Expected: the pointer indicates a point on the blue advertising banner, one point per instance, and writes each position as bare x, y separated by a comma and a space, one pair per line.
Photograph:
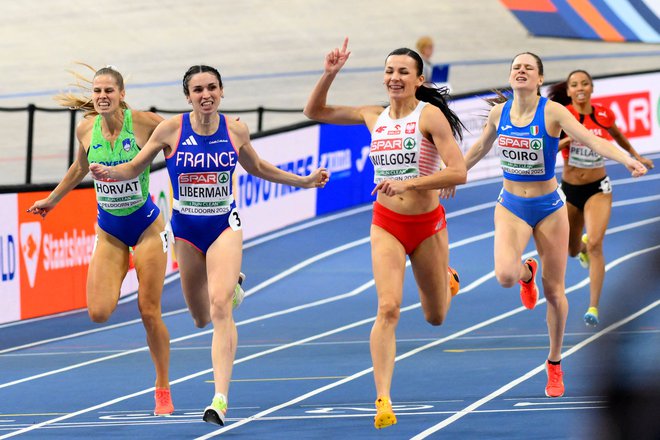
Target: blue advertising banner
344, 150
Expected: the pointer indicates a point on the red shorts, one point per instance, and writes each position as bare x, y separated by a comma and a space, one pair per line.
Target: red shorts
410, 230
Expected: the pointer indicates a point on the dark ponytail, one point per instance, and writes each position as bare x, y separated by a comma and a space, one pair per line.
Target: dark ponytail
436, 96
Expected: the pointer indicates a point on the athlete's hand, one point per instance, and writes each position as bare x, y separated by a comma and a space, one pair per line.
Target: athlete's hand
448, 192
99, 172
336, 58
636, 168
42, 207
391, 187
648, 163
317, 179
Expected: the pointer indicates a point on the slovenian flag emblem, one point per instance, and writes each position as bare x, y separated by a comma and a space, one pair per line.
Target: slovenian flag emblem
534, 130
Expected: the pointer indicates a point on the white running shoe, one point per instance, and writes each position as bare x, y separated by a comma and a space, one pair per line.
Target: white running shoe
239, 293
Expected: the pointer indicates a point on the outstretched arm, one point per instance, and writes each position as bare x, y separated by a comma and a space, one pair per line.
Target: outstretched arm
75, 174
253, 164
485, 142
626, 145
577, 131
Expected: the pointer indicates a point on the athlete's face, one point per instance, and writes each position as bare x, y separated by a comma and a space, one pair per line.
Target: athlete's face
401, 78
525, 73
204, 92
579, 88
106, 94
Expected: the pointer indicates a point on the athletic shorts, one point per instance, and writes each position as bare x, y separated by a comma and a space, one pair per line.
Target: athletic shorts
201, 231
128, 228
577, 195
532, 209
410, 230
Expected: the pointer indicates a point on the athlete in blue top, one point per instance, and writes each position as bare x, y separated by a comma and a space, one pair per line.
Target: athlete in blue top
526, 129
202, 149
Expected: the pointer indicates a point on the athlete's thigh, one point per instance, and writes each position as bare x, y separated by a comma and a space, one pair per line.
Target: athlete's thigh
223, 263
597, 212
388, 262
551, 237
511, 237
150, 258
429, 263
106, 272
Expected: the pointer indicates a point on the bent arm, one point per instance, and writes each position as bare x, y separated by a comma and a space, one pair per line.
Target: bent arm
253, 164
159, 140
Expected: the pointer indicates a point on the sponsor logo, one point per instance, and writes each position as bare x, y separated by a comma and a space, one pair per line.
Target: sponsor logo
396, 131
217, 141
97, 146
513, 142
380, 129
336, 161
386, 144
150, 212
362, 160
199, 178
30, 236
505, 127
409, 143
190, 141
633, 112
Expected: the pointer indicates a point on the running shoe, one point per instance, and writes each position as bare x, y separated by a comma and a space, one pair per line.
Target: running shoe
239, 293
163, 398
555, 386
215, 412
583, 256
454, 281
529, 293
384, 415
591, 317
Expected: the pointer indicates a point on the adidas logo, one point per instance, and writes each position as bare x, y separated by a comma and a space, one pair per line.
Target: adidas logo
190, 141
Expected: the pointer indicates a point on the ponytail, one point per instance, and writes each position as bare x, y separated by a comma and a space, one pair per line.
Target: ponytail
438, 97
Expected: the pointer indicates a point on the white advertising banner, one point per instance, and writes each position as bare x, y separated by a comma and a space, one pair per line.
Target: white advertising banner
10, 285
265, 206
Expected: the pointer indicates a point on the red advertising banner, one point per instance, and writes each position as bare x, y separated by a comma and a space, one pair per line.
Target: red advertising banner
55, 252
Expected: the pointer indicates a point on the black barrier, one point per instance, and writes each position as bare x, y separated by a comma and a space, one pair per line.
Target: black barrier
33, 109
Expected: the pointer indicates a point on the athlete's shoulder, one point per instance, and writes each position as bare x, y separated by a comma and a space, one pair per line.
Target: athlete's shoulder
604, 116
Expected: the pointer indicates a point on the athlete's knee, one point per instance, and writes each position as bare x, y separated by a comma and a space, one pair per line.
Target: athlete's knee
389, 310
98, 315
220, 307
201, 321
436, 317
507, 277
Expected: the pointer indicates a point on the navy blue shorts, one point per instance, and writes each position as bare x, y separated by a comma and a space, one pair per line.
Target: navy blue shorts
201, 231
128, 228
532, 209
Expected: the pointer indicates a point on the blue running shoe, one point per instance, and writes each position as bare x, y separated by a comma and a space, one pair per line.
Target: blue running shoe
591, 317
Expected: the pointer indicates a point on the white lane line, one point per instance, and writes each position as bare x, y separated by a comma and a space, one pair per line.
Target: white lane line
470, 408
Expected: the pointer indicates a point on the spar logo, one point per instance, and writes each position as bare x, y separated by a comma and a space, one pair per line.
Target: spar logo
633, 112
30, 237
204, 178
520, 143
386, 144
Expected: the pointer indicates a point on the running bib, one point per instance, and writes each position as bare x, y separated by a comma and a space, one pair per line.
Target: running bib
521, 155
205, 193
118, 194
581, 156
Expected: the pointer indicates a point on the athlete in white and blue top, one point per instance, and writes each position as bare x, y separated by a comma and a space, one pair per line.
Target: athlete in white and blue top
202, 149
526, 130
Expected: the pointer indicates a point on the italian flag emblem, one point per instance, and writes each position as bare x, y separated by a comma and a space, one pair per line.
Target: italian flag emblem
534, 130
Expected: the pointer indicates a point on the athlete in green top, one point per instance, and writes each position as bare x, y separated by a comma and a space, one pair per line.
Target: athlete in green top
110, 132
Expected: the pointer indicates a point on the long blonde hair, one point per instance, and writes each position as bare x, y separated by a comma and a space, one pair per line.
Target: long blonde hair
83, 101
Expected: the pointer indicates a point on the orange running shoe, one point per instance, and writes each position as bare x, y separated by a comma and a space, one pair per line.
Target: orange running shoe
555, 386
384, 415
163, 398
454, 282
529, 293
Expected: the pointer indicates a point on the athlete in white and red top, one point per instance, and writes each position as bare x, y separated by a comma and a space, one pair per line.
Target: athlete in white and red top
409, 138
585, 182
